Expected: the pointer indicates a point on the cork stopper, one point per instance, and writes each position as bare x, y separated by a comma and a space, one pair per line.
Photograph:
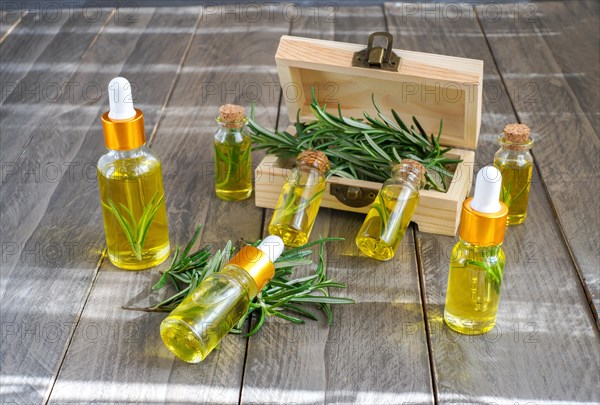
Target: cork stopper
232, 115
516, 137
410, 166
314, 158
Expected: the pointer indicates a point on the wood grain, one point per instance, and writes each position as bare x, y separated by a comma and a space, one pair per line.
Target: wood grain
53, 225
35, 83
9, 19
305, 62
526, 356
562, 25
375, 352
65, 338
184, 139
567, 145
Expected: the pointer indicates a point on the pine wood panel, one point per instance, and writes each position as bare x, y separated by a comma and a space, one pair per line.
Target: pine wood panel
375, 352
145, 371
526, 357
567, 144
437, 212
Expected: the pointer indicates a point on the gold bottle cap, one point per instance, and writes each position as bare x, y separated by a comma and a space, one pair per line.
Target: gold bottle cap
124, 134
314, 158
481, 228
256, 263
232, 116
483, 217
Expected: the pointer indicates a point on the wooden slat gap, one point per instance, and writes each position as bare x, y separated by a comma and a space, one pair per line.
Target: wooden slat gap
13, 26
422, 291
186, 51
262, 232
61, 90
76, 325
421, 278
104, 252
586, 291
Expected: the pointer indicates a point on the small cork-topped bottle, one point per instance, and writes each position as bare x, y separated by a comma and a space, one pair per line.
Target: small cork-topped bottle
391, 212
300, 199
233, 157
515, 162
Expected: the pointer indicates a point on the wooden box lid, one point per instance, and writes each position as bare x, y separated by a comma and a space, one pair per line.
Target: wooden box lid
428, 86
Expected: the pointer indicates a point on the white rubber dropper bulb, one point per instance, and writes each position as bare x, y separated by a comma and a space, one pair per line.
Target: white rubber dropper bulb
272, 246
120, 100
486, 197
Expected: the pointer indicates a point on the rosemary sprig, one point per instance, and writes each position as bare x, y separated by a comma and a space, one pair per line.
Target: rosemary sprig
362, 148
135, 231
492, 272
292, 299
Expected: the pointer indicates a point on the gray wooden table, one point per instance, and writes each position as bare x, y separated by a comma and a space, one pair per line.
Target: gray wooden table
65, 338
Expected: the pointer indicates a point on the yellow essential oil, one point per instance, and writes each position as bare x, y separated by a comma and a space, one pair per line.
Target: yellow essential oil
477, 261
219, 303
391, 212
474, 284
202, 319
131, 190
515, 162
233, 155
131, 187
300, 199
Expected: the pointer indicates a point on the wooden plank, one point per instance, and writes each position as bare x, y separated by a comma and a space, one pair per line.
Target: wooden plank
9, 19
31, 88
563, 24
51, 233
374, 353
526, 357
145, 371
567, 143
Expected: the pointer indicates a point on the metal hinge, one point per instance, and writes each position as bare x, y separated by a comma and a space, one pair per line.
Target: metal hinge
353, 196
376, 57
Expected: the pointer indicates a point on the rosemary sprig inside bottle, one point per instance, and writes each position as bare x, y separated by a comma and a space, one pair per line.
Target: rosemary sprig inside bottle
361, 149
136, 230
292, 299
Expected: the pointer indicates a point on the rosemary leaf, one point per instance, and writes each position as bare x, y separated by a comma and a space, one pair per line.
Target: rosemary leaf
364, 148
291, 299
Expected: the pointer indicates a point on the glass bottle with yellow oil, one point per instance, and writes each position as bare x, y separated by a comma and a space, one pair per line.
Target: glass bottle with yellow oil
390, 214
233, 154
131, 186
203, 318
300, 198
515, 162
477, 260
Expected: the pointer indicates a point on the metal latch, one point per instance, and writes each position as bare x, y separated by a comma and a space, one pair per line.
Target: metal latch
376, 57
353, 196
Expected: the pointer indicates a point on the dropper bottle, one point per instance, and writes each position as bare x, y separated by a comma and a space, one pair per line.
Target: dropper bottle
202, 319
477, 260
131, 186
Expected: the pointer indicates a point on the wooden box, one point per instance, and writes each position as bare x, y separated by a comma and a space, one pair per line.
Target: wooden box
428, 86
